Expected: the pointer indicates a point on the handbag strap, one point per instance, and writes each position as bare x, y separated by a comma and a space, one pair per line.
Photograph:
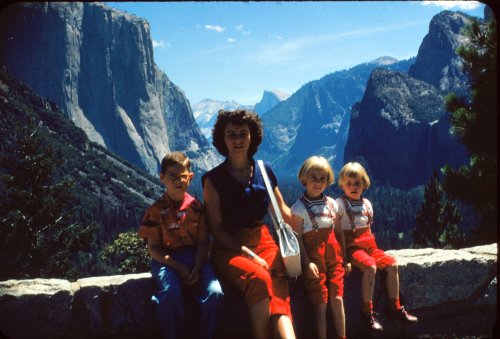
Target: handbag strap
270, 192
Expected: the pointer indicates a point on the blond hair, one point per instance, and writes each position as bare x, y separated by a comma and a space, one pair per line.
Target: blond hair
317, 163
354, 170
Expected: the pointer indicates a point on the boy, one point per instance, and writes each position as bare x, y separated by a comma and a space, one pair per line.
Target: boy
177, 238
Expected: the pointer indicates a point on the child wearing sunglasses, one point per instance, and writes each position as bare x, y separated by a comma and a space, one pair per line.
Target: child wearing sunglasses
355, 215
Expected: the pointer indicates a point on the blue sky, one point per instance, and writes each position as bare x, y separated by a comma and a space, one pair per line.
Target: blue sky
236, 50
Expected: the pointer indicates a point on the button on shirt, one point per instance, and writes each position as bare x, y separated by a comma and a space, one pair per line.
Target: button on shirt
174, 227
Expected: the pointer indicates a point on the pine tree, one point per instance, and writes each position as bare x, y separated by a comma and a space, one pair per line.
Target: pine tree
451, 236
37, 236
427, 220
474, 121
438, 220
126, 254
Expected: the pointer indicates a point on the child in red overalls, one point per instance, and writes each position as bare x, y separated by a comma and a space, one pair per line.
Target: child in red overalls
356, 216
313, 218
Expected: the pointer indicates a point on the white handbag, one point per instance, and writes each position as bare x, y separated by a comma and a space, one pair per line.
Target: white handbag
288, 243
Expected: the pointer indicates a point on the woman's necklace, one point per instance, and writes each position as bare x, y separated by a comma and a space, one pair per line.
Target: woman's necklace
242, 174
232, 168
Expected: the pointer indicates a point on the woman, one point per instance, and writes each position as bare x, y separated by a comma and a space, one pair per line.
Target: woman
236, 201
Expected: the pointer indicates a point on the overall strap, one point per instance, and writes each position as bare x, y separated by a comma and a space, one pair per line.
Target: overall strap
349, 212
310, 213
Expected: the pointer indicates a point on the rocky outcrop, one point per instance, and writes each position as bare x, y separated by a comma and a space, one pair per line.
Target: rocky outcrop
400, 131
97, 64
205, 113
437, 62
269, 100
442, 287
312, 120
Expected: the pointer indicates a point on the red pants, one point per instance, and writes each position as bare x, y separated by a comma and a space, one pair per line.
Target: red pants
253, 280
363, 250
323, 250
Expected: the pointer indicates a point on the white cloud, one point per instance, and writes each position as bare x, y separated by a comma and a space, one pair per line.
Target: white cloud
215, 28
231, 40
160, 44
243, 31
275, 36
461, 5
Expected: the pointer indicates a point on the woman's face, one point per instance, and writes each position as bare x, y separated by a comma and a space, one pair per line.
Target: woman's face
237, 139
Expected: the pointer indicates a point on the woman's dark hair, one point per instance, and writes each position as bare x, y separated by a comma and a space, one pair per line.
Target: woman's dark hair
238, 117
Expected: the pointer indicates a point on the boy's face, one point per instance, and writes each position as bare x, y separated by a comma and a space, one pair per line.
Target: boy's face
353, 187
176, 180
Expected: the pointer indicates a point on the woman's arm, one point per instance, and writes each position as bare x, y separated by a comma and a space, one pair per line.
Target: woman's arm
214, 219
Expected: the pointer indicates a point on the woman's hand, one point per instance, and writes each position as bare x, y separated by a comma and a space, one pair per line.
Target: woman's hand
313, 270
261, 262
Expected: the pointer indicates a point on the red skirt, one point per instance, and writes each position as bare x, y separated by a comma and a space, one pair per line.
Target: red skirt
253, 280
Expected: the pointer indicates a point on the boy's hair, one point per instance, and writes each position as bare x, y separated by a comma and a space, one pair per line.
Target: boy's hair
238, 117
173, 159
354, 170
318, 163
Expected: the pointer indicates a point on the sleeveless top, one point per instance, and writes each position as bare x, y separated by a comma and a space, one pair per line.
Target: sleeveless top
242, 206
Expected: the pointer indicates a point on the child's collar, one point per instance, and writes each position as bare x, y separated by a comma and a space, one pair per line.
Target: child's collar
184, 204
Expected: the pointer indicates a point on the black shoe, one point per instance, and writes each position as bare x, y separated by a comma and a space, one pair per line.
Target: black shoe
403, 316
371, 322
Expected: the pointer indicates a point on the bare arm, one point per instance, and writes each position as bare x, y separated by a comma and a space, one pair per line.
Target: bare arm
202, 245
214, 219
159, 254
339, 232
298, 226
285, 210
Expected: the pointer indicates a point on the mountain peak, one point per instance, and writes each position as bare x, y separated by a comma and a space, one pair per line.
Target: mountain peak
384, 60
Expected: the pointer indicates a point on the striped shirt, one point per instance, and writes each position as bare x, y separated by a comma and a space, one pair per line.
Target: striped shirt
324, 213
357, 212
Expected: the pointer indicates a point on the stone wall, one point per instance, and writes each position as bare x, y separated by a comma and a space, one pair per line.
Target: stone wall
453, 292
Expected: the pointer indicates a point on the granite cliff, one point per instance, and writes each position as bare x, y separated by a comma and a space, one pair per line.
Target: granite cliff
311, 121
400, 131
97, 64
437, 62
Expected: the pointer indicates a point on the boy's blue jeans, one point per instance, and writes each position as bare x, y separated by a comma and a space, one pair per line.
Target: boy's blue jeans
207, 293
